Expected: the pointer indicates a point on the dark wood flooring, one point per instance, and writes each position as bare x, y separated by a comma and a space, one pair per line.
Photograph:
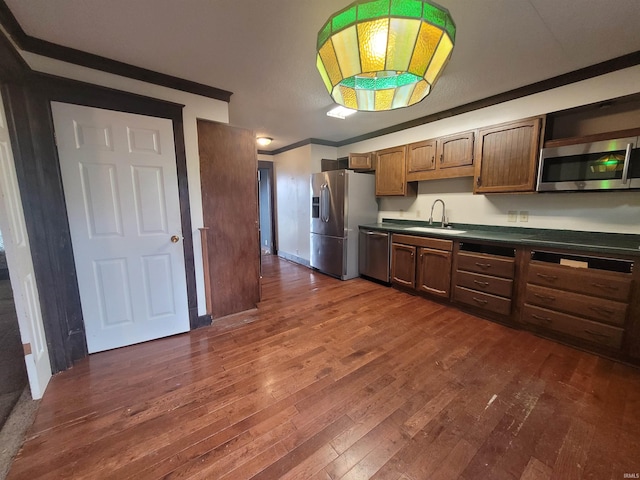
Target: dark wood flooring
339, 380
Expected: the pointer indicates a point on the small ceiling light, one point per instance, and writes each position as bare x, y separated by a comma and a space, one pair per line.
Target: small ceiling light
377, 55
264, 141
341, 112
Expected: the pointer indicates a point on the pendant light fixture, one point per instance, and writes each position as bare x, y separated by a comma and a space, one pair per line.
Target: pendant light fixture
378, 55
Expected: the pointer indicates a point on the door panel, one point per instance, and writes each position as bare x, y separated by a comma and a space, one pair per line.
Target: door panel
434, 271
120, 183
228, 167
22, 277
403, 265
328, 254
329, 190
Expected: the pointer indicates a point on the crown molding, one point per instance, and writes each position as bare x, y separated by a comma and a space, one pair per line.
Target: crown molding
78, 57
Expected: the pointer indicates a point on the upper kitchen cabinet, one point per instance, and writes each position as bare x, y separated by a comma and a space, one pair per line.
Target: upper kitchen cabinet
361, 161
506, 156
444, 157
391, 178
421, 157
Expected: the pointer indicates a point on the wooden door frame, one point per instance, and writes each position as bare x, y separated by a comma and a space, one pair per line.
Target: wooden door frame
29, 118
267, 165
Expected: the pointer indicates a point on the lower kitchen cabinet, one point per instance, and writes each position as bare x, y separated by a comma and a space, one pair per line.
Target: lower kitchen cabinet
434, 271
579, 298
484, 278
403, 265
584, 299
422, 264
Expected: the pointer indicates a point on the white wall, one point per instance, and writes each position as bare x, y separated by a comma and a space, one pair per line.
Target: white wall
195, 106
293, 197
601, 211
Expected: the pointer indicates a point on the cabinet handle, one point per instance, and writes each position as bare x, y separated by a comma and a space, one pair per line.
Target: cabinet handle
480, 301
601, 310
479, 181
483, 265
441, 158
547, 277
596, 334
606, 287
545, 297
433, 159
482, 284
544, 319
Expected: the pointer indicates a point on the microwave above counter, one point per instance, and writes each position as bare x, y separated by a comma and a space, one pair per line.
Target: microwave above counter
602, 165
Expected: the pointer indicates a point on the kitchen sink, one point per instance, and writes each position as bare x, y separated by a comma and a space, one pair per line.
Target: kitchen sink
443, 231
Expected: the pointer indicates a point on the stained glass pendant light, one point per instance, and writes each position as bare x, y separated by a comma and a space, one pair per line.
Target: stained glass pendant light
377, 55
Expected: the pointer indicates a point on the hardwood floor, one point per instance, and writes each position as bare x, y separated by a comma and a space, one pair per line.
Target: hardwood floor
329, 380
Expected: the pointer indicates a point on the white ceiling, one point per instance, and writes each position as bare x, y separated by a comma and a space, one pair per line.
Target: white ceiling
264, 51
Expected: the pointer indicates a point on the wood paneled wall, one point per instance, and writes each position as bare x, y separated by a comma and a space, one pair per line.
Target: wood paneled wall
228, 173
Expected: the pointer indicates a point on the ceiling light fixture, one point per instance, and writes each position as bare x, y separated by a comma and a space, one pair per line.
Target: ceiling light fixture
378, 55
341, 112
264, 141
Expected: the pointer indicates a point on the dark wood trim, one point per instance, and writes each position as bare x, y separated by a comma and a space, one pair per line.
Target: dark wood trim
14, 68
85, 59
302, 143
272, 198
38, 172
204, 242
203, 321
29, 115
185, 217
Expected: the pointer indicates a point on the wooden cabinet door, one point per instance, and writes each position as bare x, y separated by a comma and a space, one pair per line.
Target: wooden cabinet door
455, 150
403, 265
421, 156
434, 272
361, 161
506, 157
390, 171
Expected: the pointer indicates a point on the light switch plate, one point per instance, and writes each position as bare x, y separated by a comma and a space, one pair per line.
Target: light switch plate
512, 216
524, 216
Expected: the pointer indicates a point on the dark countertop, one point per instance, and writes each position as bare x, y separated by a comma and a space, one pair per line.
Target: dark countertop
606, 243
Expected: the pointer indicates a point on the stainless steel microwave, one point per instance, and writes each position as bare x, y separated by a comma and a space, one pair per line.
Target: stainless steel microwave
603, 165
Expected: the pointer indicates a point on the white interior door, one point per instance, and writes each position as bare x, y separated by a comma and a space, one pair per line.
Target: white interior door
121, 189
23, 283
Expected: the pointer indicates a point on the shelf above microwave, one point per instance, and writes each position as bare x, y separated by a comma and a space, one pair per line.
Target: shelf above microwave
561, 142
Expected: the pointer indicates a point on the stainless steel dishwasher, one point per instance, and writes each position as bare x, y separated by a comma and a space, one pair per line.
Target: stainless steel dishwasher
373, 254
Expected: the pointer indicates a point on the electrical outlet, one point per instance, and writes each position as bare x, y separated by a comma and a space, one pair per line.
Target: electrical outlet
417, 213
512, 216
401, 213
524, 216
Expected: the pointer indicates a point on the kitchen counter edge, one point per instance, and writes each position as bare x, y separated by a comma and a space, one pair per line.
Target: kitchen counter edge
600, 242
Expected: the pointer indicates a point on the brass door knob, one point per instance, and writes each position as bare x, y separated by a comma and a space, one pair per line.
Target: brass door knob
175, 239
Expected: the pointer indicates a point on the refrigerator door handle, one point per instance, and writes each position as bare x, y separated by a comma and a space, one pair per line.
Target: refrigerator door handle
325, 200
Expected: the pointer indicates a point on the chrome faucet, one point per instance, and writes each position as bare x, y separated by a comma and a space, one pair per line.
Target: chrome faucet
444, 218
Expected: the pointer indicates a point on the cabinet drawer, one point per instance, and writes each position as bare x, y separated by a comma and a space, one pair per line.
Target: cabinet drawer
485, 283
486, 264
581, 305
435, 243
483, 301
593, 332
612, 286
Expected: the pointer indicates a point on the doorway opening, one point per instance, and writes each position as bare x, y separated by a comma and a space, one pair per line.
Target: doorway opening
13, 372
266, 205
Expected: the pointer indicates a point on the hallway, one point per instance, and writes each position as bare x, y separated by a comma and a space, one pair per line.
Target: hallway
13, 374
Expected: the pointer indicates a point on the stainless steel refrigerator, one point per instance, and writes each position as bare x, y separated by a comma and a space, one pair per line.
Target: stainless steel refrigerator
340, 201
